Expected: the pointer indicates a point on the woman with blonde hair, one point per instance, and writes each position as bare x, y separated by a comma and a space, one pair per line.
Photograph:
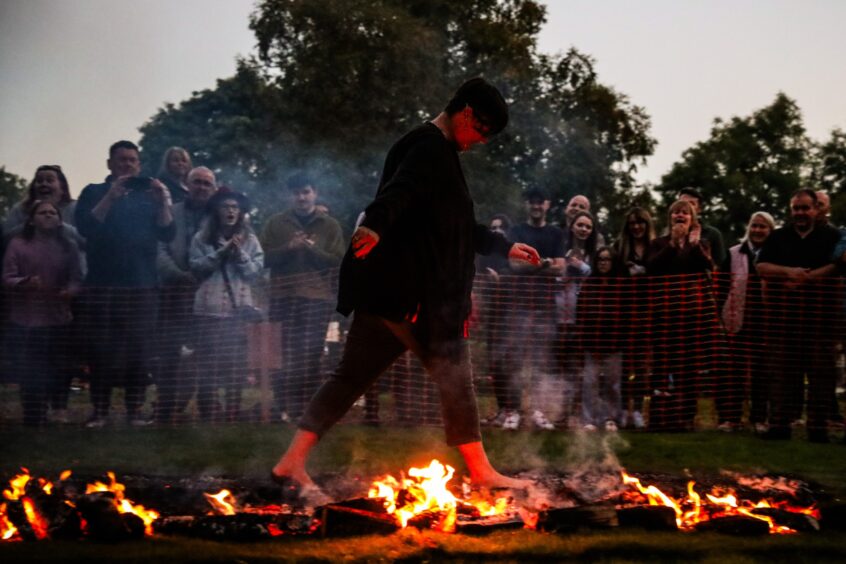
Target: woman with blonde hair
683, 316
742, 314
173, 172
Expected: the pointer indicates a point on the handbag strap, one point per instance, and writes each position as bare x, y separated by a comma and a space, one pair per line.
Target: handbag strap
227, 284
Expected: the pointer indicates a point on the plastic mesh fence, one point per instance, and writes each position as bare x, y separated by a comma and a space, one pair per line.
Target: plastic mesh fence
667, 353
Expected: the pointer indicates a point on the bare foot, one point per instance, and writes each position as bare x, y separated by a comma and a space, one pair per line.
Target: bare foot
496, 480
297, 475
313, 496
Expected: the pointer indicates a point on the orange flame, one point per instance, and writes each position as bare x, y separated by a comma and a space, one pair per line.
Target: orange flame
220, 504
425, 489
18, 484
124, 505
691, 509
7, 530
36, 521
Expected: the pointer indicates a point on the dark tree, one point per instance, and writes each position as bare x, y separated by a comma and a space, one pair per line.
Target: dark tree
830, 172
12, 190
748, 164
333, 83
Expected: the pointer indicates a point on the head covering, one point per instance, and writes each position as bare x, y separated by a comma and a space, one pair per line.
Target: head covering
225, 193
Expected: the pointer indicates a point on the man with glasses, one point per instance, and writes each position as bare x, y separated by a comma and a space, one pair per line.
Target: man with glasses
408, 275
173, 384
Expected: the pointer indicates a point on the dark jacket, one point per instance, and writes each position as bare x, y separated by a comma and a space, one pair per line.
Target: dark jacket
122, 250
422, 267
302, 272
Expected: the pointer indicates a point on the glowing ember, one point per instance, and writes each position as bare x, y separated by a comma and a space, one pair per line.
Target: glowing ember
124, 505
222, 502
7, 530
39, 525
425, 490
18, 484
691, 510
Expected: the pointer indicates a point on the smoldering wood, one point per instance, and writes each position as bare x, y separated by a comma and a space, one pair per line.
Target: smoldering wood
799, 522
17, 516
65, 523
340, 521
479, 526
104, 522
242, 527
569, 519
738, 525
649, 517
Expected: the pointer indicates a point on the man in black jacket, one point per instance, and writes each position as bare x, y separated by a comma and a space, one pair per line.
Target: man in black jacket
408, 275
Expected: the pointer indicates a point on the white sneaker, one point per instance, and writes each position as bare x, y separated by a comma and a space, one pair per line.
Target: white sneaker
611, 426
140, 421
761, 428
590, 428
96, 423
726, 427
541, 422
511, 421
637, 420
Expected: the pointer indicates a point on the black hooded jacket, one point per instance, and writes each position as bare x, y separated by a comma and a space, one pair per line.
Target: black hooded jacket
423, 267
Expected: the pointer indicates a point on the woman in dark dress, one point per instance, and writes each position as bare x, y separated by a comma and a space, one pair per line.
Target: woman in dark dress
684, 315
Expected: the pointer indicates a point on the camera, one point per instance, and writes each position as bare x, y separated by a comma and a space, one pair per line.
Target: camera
138, 183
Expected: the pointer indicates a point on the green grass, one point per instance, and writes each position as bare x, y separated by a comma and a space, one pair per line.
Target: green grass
249, 450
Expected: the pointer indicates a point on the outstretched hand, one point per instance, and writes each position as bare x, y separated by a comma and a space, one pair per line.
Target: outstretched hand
363, 241
525, 253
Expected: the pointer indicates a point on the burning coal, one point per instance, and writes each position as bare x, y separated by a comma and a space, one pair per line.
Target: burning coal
35, 509
427, 497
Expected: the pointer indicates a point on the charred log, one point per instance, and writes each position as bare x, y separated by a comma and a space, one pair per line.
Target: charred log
340, 521
104, 522
649, 517
243, 527
600, 516
738, 525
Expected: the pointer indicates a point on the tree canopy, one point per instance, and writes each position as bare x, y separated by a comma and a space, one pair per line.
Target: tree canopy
830, 172
12, 190
334, 82
748, 164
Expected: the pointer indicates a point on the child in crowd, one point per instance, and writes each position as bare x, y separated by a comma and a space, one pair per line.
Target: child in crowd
600, 318
41, 269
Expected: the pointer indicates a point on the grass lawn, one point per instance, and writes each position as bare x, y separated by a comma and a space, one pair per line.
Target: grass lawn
248, 451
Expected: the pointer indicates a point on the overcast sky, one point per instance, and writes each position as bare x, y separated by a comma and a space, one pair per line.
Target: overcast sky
80, 74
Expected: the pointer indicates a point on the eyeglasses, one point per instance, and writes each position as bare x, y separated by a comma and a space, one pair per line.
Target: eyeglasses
480, 125
229, 207
603, 259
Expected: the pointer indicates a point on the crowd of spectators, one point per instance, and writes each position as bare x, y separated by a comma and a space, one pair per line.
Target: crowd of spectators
607, 332
634, 333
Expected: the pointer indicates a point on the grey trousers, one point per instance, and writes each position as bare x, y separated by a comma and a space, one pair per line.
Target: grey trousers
371, 347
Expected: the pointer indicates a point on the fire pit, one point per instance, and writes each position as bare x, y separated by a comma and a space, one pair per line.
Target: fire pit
35, 508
